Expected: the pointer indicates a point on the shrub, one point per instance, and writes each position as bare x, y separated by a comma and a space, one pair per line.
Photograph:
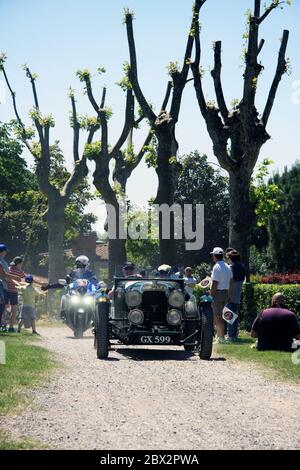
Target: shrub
279, 278
257, 297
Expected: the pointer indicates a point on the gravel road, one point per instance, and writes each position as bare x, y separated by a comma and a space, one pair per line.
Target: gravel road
156, 399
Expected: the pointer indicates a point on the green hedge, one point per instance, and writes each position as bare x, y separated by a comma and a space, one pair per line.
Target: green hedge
257, 297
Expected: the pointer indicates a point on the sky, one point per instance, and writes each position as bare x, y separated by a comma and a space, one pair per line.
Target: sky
58, 37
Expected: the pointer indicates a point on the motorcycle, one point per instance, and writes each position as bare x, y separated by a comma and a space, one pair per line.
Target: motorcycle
78, 305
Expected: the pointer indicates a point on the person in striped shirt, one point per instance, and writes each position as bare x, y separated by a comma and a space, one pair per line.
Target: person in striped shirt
15, 268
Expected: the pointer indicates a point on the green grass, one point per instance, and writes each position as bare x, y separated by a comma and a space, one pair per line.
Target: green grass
27, 364
277, 364
8, 443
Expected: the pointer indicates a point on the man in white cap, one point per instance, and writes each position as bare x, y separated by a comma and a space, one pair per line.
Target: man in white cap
164, 271
220, 290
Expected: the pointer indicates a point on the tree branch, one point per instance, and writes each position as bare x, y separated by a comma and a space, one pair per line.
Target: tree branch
268, 10
20, 122
179, 80
38, 126
280, 71
103, 98
167, 96
260, 46
32, 80
76, 130
133, 74
129, 121
100, 113
216, 74
195, 66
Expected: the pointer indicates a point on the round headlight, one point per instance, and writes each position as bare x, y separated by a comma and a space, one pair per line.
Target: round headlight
176, 299
174, 317
136, 316
75, 299
133, 298
88, 300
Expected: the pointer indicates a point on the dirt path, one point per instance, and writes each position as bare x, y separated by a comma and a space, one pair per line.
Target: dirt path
156, 399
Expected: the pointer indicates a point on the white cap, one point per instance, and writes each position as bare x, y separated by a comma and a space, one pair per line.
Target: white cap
217, 251
164, 268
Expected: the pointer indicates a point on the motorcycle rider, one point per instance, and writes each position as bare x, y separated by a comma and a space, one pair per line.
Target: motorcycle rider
81, 270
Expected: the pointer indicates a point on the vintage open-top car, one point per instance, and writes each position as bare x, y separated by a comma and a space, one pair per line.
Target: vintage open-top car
153, 312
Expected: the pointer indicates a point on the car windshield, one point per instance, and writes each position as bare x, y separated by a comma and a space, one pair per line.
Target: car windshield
149, 284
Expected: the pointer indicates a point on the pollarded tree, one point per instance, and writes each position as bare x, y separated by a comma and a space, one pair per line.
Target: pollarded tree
239, 134
164, 123
58, 195
112, 184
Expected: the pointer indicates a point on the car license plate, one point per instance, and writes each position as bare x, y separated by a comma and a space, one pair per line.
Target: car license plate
155, 340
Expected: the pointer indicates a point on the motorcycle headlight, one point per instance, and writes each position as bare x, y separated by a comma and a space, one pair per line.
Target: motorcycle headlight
174, 317
133, 298
75, 299
136, 316
88, 300
176, 299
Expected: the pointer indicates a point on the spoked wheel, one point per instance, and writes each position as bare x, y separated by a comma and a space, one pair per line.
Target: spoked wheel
102, 330
207, 332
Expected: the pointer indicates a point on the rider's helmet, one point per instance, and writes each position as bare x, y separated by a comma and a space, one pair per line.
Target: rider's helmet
82, 261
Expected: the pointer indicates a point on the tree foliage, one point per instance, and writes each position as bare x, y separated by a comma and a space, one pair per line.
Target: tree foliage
284, 224
22, 206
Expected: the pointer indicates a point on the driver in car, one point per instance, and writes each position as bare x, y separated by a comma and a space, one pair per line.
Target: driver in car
128, 271
164, 271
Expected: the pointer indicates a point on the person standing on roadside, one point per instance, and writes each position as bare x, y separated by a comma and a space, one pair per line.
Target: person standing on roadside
5, 275
15, 268
222, 283
239, 276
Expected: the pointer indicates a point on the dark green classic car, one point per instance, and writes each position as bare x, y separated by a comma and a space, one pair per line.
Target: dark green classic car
153, 312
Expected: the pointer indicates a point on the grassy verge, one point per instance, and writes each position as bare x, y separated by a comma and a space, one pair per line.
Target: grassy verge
8, 443
278, 364
27, 365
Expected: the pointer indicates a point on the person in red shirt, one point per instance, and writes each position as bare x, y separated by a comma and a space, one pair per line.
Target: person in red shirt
15, 268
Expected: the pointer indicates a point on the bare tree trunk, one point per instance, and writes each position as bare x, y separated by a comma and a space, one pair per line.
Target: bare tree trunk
240, 212
117, 256
167, 173
56, 229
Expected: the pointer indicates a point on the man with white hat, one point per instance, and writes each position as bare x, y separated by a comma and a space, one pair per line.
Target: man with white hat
220, 290
164, 271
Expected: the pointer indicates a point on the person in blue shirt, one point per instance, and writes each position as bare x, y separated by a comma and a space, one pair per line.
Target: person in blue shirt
239, 275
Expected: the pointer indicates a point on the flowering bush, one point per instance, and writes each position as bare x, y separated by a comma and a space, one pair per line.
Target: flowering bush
280, 278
